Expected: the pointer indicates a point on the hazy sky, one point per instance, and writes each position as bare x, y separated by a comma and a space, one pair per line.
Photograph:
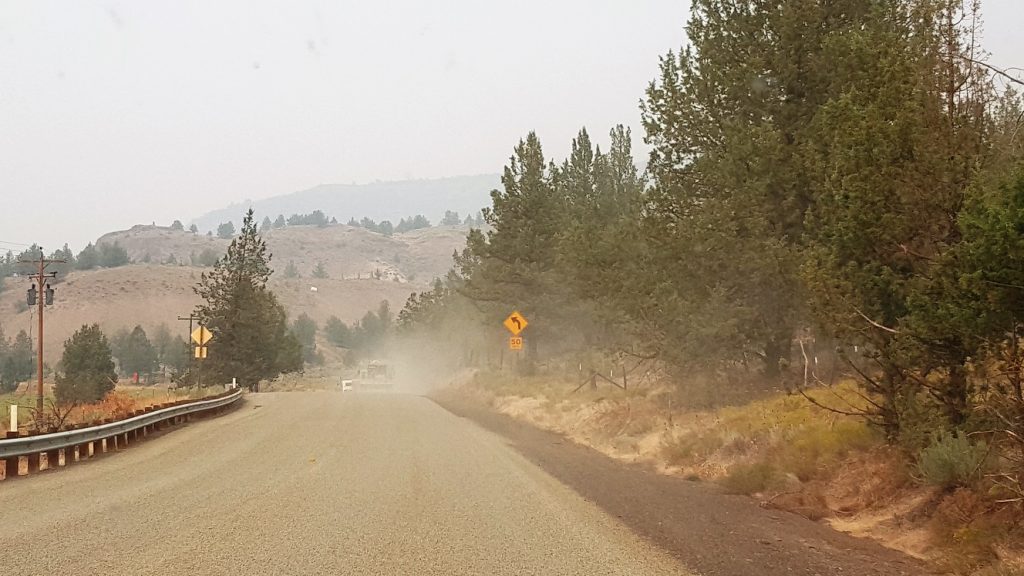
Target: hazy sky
117, 113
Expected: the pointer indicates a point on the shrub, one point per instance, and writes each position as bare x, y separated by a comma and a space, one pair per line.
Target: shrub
688, 447
749, 478
816, 447
951, 460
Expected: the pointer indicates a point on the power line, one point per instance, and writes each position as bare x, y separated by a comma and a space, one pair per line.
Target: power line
16, 244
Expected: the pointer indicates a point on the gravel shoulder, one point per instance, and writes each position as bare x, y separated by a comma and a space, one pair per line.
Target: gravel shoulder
712, 533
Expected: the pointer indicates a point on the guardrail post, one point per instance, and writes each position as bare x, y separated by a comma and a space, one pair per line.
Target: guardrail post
135, 433
33, 462
110, 442
52, 459
78, 452
11, 464
96, 445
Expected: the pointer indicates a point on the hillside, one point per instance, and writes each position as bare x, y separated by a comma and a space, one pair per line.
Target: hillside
378, 201
363, 268
416, 257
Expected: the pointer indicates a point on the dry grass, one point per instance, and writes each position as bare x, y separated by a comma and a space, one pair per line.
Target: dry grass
117, 404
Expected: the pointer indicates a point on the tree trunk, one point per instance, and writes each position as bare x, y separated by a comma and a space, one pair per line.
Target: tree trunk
776, 352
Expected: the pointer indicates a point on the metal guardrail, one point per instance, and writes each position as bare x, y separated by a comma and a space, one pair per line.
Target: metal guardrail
23, 446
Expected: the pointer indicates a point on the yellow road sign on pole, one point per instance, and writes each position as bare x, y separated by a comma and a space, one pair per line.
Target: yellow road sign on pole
201, 352
201, 336
515, 342
515, 323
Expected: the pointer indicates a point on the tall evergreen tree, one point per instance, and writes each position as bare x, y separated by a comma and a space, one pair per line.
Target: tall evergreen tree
513, 264
251, 337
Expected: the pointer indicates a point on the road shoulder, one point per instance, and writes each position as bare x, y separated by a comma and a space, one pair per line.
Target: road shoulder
708, 531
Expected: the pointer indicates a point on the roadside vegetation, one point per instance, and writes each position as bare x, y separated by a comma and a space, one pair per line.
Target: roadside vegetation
843, 227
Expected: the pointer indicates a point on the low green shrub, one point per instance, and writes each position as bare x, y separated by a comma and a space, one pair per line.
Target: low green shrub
814, 448
689, 447
750, 478
951, 460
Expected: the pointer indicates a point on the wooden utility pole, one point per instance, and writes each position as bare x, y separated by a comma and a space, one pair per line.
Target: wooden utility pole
191, 361
41, 295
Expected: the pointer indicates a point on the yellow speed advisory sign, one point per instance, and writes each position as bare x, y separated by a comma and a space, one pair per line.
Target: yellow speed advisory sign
515, 342
515, 323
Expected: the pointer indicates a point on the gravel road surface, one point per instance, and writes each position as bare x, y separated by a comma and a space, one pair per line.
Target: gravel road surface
316, 483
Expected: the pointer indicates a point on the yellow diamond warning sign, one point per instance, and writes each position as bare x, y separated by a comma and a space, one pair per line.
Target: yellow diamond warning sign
201, 336
515, 323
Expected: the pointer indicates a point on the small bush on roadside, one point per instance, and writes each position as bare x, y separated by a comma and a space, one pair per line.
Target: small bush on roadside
688, 447
815, 448
750, 478
117, 404
951, 460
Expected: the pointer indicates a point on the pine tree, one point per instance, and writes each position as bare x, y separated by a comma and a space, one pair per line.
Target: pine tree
162, 340
304, 328
450, 218
337, 332
88, 368
226, 230
320, 271
513, 265
138, 356
88, 258
7, 381
251, 340
266, 225
21, 358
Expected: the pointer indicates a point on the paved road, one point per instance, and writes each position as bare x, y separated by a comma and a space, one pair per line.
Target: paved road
315, 483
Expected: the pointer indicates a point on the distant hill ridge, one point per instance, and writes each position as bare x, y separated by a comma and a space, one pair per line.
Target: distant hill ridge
378, 201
